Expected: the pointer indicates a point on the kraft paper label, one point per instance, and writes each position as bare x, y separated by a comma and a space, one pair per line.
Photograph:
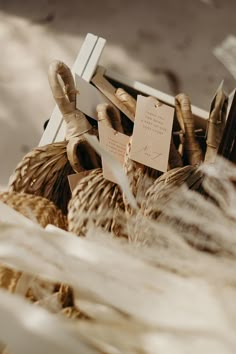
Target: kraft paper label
115, 143
75, 178
109, 91
152, 133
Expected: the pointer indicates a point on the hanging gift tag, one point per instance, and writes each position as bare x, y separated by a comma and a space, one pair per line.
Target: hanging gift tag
109, 91
115, 143
75, 178
152, 133
88, 97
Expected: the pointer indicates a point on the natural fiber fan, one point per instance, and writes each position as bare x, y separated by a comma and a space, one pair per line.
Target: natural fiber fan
36, 208
94, 197
44, 170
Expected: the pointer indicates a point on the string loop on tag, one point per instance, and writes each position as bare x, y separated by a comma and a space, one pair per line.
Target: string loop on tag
158, 104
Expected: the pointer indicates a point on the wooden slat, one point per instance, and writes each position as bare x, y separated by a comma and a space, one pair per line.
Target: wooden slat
51, 133
94, 59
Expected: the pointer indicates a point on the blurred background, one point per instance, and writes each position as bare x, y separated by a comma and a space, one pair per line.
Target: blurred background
166, 44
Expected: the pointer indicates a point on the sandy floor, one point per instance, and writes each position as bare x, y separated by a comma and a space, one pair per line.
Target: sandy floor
167, 44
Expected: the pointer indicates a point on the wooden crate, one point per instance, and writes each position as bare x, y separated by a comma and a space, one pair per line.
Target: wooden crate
85, 66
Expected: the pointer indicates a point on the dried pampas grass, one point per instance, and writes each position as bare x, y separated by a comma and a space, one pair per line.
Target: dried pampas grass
156, 293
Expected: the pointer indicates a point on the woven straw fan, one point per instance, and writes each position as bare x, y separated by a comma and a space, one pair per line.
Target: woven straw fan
193, 176
94, 197
36, 208
44, 170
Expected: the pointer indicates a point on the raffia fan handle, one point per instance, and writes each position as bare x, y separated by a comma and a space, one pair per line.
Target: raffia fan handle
186, 122
175, 159
216, 124
81, 155
59, 74
109, 116
127, 100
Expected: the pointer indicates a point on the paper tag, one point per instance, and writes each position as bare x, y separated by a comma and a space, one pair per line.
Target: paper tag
75, 178
109, 91
88, 97
152, 133
115, 143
